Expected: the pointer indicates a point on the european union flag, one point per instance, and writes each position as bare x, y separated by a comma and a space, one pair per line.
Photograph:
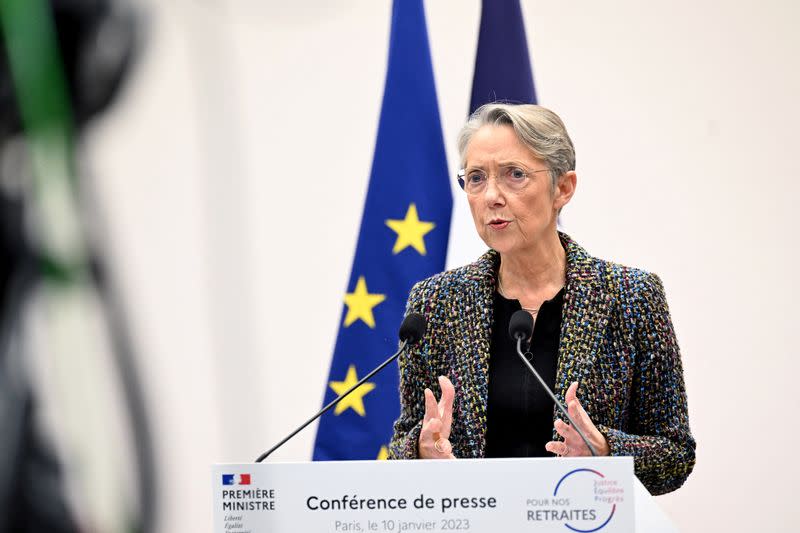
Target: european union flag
502, 64
403, 239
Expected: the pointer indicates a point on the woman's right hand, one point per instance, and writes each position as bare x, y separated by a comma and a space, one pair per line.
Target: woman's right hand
433, 439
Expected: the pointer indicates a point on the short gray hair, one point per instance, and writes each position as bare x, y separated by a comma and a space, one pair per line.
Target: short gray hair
538, 128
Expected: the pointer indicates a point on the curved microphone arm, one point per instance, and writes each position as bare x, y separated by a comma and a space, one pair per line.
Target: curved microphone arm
334, 402
553, 396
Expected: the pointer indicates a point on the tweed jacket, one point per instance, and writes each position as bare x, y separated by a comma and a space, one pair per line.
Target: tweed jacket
617, 341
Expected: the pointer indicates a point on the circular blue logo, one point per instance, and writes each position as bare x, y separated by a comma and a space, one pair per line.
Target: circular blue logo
591, 472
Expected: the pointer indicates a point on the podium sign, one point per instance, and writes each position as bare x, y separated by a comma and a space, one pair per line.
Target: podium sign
467, 495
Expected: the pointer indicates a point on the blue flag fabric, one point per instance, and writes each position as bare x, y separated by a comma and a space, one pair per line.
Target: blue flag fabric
403, 239
502, 65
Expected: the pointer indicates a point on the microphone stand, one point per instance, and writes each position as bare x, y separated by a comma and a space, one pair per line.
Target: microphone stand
334, 402
553, 396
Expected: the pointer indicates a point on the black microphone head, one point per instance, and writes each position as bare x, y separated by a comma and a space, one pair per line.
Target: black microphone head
521, 325
413, 328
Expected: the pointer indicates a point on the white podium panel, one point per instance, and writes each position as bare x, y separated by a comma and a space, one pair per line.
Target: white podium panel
466, 495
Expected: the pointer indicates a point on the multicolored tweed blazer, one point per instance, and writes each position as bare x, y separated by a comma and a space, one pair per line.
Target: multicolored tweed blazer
617, 341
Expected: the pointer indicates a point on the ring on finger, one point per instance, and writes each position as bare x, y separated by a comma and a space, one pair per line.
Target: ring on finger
442, 445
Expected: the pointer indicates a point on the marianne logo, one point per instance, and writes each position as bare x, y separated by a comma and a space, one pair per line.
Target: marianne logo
235, 479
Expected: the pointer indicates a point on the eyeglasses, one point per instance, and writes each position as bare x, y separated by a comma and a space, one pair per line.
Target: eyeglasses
509, 178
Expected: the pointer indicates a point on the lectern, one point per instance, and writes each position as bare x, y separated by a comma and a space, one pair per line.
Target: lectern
561, 495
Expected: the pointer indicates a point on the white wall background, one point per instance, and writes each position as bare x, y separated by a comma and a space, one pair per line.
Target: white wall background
234, 167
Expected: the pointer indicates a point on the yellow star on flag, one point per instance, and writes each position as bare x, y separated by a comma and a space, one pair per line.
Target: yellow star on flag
355, 400
410, 231
360, 303
383, 454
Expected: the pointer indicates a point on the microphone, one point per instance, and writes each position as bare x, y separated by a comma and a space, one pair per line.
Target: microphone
411, 330
521, 325
520, 328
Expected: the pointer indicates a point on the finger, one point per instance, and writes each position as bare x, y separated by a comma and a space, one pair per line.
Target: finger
433, 445
565, 450
446, 404
581, 417
552, 447
558, 448
435, 429
563, 429
429, 434
431, 409
572, 440
572, 393
448, 395
443, 447
578, 414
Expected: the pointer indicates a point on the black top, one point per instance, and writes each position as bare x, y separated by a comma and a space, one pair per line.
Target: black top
519, 420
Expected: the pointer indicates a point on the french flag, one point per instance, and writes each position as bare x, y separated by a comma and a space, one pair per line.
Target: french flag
235, 479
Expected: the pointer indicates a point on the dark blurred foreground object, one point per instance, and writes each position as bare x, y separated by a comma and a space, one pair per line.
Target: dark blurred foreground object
61, 63
31, 497
96, 42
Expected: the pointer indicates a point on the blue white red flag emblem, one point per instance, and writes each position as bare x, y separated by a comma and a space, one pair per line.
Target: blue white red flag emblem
235, 479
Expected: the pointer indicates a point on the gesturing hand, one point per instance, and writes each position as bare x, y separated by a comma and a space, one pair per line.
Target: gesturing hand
573, 444
433, 439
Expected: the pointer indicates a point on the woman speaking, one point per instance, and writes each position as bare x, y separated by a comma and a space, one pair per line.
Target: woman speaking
602, 339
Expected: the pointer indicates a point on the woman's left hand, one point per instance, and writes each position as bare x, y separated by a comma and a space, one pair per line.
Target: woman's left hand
573, 445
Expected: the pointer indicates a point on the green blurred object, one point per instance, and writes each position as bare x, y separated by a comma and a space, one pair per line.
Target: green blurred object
36, 66
66, 60
44, 106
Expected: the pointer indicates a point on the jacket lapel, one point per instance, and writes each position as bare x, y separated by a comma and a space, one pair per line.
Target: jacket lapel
473, 341
584, 319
